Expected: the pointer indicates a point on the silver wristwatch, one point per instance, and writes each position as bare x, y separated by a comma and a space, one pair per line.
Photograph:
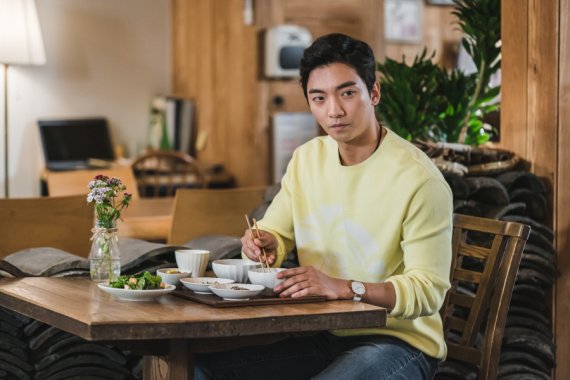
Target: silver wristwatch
358, 289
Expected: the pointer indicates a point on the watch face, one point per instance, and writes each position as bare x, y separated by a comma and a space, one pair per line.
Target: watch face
358, 287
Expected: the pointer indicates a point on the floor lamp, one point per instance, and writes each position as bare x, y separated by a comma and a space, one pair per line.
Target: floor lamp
21, 43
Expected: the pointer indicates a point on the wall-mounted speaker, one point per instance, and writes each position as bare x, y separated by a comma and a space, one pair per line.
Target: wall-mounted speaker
284, 46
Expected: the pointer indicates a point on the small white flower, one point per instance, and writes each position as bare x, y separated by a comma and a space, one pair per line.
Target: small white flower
159, 103
103, 194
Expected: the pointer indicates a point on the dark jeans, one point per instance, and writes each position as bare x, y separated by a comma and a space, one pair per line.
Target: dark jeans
321, 356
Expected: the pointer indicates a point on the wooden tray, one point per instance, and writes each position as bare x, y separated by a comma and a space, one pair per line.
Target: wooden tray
260, 299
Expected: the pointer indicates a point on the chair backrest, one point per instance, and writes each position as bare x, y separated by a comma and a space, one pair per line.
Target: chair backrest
75, 182
161, 173
212, 211
58, 222
486, 257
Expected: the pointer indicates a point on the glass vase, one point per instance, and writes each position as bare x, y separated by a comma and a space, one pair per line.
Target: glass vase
104, 258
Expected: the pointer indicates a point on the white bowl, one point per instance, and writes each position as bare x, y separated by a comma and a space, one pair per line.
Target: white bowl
265, 277
200, 284
174, 277
236, 292
135, 295
235, 269
192, 260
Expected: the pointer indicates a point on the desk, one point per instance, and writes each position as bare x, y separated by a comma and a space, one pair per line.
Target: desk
71, 182
77, 306
147, 219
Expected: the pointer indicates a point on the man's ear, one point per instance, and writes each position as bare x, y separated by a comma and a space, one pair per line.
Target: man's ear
375, 93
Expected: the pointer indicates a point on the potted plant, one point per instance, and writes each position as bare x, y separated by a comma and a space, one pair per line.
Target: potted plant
424, 101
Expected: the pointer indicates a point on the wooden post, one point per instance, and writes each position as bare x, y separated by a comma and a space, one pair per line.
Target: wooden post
181, 362
534, 123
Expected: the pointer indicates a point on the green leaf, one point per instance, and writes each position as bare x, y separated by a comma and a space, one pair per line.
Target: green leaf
424, 101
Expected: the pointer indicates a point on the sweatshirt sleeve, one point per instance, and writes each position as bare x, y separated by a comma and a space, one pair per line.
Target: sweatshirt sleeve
278, 219
426, 244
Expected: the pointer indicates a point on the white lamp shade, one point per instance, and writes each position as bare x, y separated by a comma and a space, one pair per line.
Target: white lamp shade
21, 40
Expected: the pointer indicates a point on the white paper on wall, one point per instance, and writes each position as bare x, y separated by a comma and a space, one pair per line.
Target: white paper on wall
290, 130
403, 21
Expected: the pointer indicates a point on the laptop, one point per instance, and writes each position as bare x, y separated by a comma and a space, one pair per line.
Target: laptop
71, 144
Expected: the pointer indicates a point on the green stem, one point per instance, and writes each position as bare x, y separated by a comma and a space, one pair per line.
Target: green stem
476, 94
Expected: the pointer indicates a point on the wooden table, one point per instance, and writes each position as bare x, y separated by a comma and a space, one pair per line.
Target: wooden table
147, 219
171, 328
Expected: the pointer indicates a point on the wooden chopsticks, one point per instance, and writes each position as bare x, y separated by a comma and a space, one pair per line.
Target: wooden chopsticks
258, 235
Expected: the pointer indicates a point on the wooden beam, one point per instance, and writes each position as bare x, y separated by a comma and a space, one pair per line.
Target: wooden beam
562, 201
514, 51
534, 113
542, 95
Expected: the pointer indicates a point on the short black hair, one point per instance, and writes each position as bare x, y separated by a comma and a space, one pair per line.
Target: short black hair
339, 48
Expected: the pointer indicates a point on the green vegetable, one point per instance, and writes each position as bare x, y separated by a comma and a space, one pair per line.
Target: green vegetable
139, 281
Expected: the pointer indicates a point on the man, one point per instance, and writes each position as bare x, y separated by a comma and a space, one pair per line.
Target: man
371, 218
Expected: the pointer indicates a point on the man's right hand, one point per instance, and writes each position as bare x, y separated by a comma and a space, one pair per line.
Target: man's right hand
251, 246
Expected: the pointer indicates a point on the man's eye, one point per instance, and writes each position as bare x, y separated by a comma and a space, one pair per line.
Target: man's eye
348, 92
318, 99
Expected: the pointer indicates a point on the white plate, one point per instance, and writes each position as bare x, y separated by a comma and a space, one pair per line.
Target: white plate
231, 293
135, 295
200, 284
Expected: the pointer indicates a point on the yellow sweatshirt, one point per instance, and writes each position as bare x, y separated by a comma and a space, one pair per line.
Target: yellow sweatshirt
388, 218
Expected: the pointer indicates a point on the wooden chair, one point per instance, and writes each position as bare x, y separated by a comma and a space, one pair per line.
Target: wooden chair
486, 257
75, 182
58, 222
161, 173
212, 211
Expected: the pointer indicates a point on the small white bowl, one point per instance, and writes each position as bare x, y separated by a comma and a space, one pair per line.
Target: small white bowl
192, 260
236, 292
265, 276
172, 278
235, 269
200, 284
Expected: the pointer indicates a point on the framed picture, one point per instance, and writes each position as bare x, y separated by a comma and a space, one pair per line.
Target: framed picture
403, 21
440, 2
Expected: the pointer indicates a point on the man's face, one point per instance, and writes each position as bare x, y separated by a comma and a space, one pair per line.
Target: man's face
340, 102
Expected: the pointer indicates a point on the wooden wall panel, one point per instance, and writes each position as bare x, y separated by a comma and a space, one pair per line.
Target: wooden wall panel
534, 124
237, 140
529, 103
514, 64
359, 18
193, 37
543, 88
372, 26
215, 61
562, 309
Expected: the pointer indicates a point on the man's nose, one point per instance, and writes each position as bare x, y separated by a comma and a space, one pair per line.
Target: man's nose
335, 110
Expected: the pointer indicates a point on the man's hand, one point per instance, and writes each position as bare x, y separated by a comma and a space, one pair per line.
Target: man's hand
308, 281
251, 246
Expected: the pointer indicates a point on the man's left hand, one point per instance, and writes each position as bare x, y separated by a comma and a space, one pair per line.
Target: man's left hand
308, 281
